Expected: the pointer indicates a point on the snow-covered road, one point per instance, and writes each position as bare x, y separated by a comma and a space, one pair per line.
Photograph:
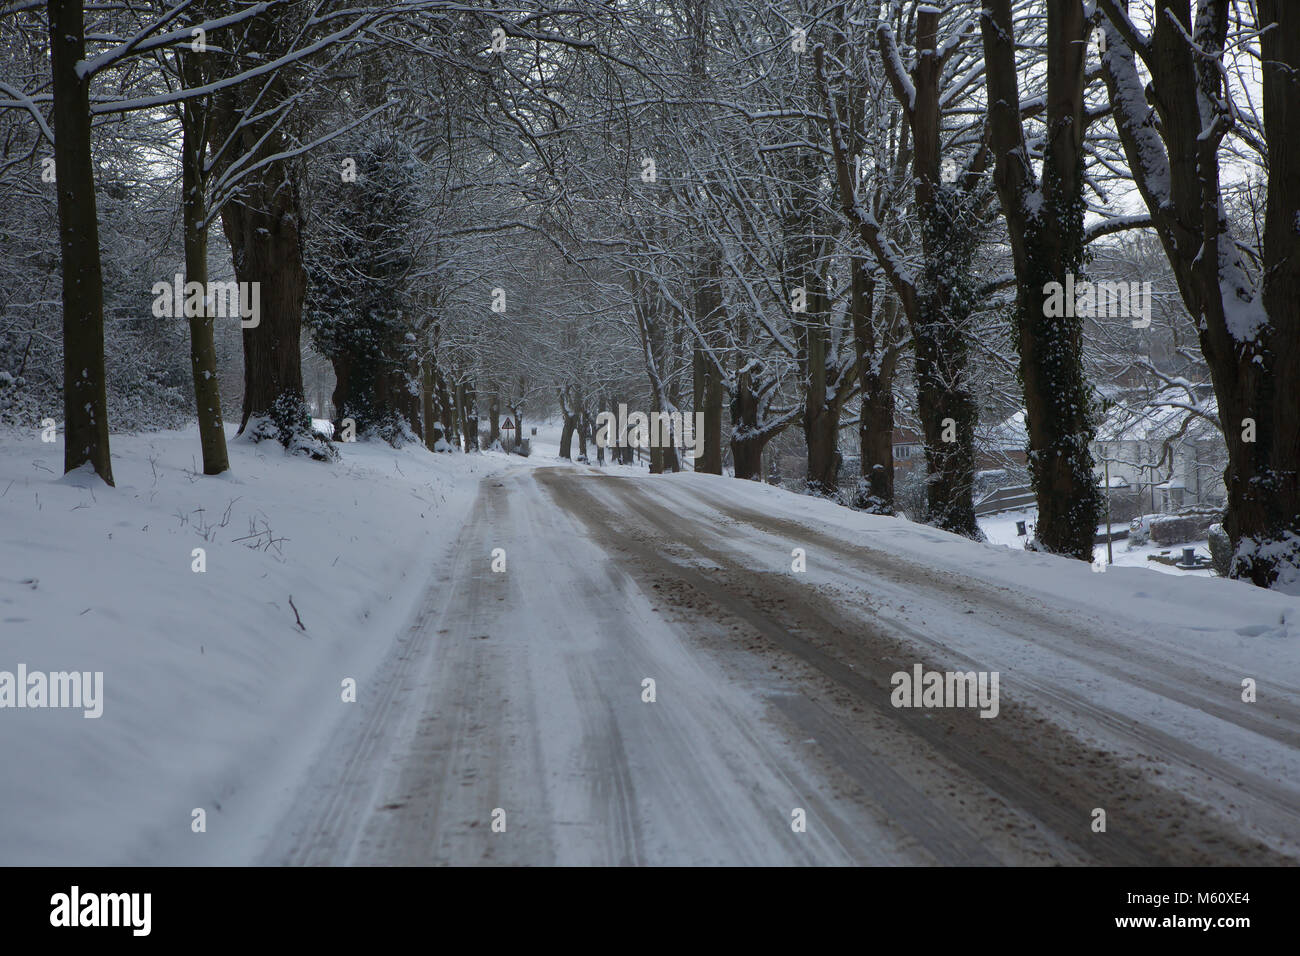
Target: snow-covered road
509, 725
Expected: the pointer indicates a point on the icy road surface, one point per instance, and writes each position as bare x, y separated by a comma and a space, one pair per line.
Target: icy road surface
517, 697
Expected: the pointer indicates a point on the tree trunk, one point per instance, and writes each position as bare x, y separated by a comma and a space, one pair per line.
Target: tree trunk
707, 382
263, 225
876, 443
584, 426
571, 414
432, 427
821, 432
1264, 493
412, 390
948, 416
566, 437
85, 396
1045, 222
747, 441
203, 348
268, 255
821, 418
460, 415
656, 355
471, 416
747, 457
949, 237
445, 409
876, 373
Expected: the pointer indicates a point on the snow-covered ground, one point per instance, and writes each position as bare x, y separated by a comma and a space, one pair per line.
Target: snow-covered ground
524, 690
214, 698
521, 689
1001, 530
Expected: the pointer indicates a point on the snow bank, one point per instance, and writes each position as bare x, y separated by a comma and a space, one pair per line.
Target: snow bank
1227, 621
214, 698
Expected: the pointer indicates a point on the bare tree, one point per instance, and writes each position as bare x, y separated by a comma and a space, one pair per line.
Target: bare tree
1176, 128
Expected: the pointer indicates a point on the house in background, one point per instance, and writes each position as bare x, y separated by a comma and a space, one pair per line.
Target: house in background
909, 450
1002, 445
1162, 452
998, 447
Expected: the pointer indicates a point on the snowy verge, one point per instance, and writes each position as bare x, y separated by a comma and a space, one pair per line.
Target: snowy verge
1226, 620
214, 698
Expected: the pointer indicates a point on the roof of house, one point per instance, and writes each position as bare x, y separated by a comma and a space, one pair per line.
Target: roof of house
1168, 414
1010, 434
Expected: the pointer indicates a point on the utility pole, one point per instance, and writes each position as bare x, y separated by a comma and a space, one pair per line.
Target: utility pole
1110, 555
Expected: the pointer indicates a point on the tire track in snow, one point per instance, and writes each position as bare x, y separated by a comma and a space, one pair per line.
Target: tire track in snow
525, 694
1154, 825
1272, 810
1276, 717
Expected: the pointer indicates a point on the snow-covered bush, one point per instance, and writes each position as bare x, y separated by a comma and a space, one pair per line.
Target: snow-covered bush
1220, 550
440, 443
1173, 529
909, 495
290, 424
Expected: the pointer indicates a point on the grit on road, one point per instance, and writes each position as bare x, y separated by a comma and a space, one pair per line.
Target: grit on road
518, 696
